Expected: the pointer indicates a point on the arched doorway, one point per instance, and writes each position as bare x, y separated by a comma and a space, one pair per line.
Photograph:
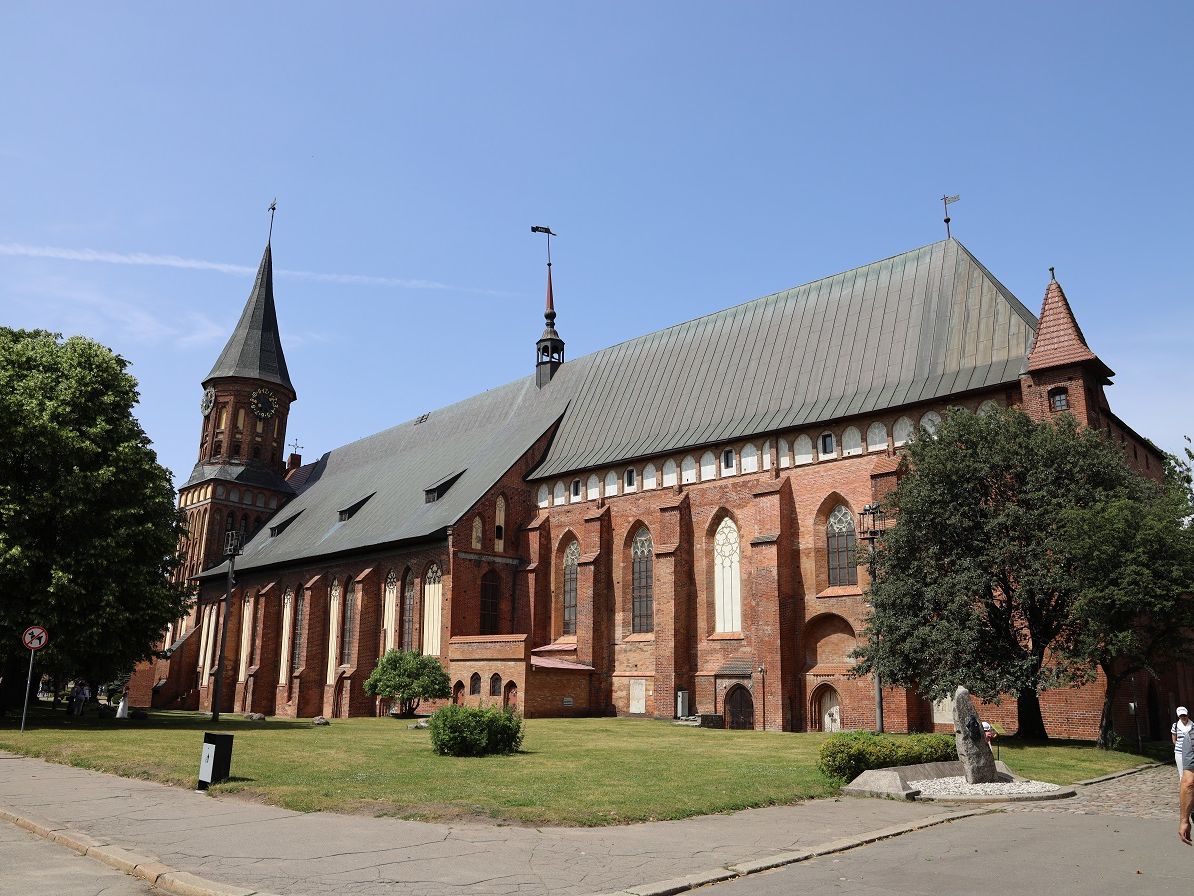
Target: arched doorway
740, 708
829, 709
1155, 719
458, 693
510, 696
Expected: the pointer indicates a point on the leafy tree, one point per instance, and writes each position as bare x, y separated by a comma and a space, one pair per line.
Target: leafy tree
1135, 606
410, 678
88, 525
980, 581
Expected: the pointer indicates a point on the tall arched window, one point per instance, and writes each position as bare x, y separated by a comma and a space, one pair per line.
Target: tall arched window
296, 652
571, 562
287, 633
495, 685
407, 624
348, 623
478, 528
499, 525
839, 533
333, 630
727, 578
389, 613
474, 684
432, 610
642, 559
491, 589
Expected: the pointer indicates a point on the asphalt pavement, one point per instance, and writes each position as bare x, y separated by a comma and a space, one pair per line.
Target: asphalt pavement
31, 866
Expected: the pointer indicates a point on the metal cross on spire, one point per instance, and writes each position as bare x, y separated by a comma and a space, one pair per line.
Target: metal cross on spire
273, 207
946, 200
294, 446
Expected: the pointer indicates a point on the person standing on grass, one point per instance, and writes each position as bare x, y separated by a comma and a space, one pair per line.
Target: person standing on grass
1179, 733
122, 711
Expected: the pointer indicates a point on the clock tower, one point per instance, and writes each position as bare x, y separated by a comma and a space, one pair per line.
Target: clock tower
238, 482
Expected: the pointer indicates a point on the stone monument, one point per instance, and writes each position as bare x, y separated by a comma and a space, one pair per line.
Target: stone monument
973, 749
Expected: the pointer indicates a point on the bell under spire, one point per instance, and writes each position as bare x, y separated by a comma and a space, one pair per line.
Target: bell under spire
549, 350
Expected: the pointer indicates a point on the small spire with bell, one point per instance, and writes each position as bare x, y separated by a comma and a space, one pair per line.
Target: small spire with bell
549, 350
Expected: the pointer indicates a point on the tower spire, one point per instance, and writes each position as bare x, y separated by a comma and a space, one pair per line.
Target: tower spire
1059, 341
549, 350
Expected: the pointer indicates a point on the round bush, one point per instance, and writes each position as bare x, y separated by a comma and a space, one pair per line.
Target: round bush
471, 731
848, 755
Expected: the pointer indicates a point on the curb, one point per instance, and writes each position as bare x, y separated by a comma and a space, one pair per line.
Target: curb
1120, 774
147, 868
754, 866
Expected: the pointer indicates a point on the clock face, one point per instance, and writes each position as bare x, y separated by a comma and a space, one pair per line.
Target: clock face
208, 402
264, 403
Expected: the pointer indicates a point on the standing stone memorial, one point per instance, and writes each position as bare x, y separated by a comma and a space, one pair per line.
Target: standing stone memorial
977, 760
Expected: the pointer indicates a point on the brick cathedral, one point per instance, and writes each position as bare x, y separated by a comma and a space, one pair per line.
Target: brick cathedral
664, 527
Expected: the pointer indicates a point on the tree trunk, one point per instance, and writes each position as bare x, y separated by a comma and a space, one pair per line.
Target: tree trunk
1106, 721
1030, 724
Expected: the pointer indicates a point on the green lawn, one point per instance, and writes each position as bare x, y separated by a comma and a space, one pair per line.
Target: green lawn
571, 771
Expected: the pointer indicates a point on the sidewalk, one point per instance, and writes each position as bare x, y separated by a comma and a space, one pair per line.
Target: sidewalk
264, 849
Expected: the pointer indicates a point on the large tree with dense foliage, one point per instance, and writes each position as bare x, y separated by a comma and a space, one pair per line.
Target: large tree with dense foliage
409, 678
88, 525
1135, 607
985, 577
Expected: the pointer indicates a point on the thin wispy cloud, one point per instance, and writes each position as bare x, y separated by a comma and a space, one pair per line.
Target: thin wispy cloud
144, 259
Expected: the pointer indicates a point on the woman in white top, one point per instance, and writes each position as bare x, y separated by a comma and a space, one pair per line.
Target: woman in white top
1179, 732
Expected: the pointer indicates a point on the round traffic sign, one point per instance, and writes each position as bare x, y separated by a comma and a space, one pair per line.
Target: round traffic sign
35, 637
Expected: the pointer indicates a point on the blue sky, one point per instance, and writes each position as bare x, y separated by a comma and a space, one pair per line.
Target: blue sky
690, 155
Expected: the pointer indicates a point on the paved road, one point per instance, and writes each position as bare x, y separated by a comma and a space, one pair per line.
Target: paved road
1116, 837
30, 865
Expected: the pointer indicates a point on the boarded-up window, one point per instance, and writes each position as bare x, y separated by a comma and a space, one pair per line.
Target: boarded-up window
491, 587
727, 578
432, 610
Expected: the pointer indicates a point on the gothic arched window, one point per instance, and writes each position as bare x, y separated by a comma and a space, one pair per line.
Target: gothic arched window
727, 578
478, 528
296, 652
348, 623
499, 525
407, 624
571, 562
474, 684
491, 588
839, 534
390, 613
432, 610
495, 685
642, 559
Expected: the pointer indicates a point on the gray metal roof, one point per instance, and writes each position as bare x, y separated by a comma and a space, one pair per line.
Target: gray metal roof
483, 436
251, 474
925, 324
255, 350
922, 325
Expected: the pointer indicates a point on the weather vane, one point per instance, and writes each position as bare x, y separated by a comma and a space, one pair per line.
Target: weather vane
546, 230
946, 200
273, 207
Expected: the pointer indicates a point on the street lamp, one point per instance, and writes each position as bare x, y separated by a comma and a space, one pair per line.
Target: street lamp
231, 550
871, 523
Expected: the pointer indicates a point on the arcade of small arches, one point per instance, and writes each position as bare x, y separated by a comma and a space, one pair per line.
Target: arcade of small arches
732, 460
507, 691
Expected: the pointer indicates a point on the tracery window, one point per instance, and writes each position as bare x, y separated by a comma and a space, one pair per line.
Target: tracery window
296, 652
478, 528
432, 610
491, 587
407, 625
499, 525
839, 534
390, 612
727, 578
348, 623
642, 559
876, 437
571, 563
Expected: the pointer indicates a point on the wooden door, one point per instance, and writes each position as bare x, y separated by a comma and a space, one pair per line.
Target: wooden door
740, 708
830, 710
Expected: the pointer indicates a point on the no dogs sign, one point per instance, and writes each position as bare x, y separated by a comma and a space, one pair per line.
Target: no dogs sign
35, 638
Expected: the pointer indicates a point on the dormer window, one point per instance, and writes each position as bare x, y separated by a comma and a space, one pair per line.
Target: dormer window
1059, 399
275, 531
347, 513
437, 490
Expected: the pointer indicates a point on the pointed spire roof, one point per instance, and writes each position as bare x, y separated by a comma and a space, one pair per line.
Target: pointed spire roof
549, 313
1059, 340
254, 350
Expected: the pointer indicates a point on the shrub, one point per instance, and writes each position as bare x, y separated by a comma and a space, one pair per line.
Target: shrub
848, 755
470, 731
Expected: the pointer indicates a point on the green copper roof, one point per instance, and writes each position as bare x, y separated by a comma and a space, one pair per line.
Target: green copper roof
255, 348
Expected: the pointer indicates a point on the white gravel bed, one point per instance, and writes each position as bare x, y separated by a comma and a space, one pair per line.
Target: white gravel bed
957, 786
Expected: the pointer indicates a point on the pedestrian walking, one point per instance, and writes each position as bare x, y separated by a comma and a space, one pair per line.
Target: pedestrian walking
1186, 797
1179, 733
122, 711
